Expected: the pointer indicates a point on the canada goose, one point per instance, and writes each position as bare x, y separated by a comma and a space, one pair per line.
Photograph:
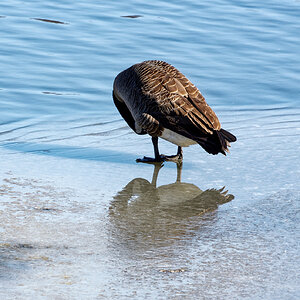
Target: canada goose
155, 98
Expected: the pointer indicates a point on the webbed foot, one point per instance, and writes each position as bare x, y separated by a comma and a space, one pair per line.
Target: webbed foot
151, 160
160, 159
175, 158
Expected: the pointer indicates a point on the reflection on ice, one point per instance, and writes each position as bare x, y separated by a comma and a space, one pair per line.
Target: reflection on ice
145, 213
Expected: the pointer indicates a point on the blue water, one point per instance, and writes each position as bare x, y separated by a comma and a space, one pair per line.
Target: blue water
67, 157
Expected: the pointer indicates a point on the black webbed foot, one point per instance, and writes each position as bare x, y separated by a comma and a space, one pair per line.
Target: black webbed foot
175, 158
151, 160
160, 158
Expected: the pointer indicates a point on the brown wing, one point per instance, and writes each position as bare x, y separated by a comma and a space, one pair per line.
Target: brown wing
174, 101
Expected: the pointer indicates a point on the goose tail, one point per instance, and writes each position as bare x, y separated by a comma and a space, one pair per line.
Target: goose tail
218, 142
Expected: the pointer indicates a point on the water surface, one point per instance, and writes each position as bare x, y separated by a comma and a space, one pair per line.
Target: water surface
81, 220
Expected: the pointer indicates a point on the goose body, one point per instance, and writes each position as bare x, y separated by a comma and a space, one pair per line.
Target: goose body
155, 98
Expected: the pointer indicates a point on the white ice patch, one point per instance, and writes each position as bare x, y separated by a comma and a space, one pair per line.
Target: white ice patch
176, 138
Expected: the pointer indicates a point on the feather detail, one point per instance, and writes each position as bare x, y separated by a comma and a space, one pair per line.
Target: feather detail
157, 97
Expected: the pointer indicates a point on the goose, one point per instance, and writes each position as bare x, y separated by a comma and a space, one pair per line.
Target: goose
155, 98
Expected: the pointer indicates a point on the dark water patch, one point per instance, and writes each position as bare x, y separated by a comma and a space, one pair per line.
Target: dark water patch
60, 94
49, 21
132, 16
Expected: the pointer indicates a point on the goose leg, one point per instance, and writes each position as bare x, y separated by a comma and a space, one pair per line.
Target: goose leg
158, 158
161, 158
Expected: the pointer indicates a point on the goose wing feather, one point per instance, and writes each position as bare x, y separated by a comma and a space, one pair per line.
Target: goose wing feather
169, 97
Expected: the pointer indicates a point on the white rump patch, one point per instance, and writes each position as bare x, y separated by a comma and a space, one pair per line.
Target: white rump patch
176, 138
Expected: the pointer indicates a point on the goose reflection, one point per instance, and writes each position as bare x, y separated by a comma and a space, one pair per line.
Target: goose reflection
144, 213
